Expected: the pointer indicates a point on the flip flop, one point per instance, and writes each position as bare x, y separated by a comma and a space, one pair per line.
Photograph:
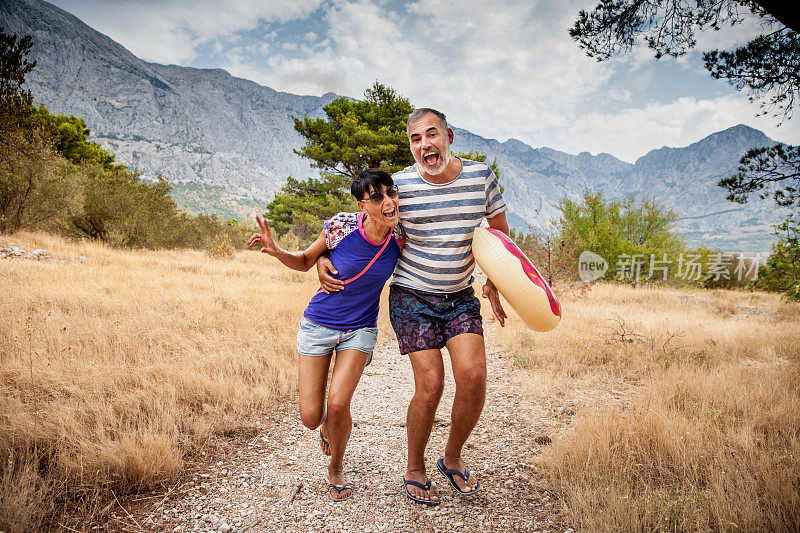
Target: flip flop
339, 490
450, 472
426, 487
324, 442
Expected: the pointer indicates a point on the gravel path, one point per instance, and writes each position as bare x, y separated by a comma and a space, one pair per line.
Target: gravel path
246, 488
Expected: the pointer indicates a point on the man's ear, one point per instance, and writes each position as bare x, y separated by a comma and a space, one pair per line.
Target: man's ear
450, 135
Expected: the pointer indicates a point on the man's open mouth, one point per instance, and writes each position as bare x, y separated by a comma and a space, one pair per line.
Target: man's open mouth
431, 159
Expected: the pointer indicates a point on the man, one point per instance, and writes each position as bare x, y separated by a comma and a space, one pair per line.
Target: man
431, 300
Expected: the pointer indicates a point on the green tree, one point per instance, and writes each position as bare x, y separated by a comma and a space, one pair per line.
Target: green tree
354, 136
14, 66
71, 139
302, 206
53, 177
773, 170
782, 270
357, 135
768, 67
121, 209
629, 234
35, 186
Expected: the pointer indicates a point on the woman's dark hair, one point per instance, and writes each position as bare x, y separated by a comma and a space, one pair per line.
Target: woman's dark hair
372, 177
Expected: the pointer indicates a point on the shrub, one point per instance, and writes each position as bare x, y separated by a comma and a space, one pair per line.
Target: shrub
221, 246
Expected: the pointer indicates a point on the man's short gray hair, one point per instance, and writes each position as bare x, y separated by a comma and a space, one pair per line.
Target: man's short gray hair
420, 112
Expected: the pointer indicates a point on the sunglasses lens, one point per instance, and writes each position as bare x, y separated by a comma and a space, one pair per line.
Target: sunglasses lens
377, 197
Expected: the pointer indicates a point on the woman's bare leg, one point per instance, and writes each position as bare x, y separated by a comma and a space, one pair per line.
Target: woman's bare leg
347, 370
312, 378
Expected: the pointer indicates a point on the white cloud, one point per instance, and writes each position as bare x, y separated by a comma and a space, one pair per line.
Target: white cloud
506, 71
510, 67
170, 32
622, 95
501, 69
731, 36
634, 131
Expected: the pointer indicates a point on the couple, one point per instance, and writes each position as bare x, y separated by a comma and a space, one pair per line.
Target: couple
438, 202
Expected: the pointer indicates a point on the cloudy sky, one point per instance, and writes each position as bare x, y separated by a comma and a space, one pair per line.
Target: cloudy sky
501, 69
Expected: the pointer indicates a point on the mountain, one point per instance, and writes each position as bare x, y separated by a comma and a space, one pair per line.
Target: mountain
684, 179
226, 143
192, 125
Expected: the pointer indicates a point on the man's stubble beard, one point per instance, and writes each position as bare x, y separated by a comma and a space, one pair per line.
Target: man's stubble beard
444, 161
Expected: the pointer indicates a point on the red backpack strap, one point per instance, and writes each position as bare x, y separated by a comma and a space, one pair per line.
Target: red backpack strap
377, 255
385, 244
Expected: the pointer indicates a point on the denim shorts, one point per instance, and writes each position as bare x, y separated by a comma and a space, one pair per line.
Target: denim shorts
316, 340
427, 320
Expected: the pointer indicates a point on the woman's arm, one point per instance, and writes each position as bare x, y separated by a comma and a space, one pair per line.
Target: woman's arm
302, 260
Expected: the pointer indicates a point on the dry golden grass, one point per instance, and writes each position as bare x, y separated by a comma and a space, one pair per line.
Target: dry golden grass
708, 436
116, 368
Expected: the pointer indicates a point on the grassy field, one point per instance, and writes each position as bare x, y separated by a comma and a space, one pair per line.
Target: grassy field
114, 369
687, 408
118, 369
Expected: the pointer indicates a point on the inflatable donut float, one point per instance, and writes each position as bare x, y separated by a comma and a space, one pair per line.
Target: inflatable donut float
516, 278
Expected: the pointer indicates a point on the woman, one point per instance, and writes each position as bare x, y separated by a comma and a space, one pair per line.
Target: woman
364, 249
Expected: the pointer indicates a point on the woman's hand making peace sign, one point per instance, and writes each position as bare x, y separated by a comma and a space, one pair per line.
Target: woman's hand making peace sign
264, 238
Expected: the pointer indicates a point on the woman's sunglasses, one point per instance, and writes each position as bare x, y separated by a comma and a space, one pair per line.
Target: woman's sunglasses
377, 197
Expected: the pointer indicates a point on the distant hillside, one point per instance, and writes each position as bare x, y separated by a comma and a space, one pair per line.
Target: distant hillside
189, 124
684, 179
227, 142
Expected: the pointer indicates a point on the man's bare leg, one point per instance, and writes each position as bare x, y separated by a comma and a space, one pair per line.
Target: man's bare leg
468, 356
428, 386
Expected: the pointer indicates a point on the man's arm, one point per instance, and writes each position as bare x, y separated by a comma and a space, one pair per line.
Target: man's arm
328, 283
498, 222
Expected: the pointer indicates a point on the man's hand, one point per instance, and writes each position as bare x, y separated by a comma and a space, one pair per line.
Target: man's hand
490, 292
264, 238
329, 283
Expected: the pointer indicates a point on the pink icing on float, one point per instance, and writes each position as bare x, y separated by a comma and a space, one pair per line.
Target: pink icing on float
529, 269
517, 279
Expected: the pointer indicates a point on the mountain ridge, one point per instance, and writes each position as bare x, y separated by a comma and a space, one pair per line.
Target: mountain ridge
209, 127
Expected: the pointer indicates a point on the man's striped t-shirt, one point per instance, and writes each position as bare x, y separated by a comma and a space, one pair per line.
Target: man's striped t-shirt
439, 222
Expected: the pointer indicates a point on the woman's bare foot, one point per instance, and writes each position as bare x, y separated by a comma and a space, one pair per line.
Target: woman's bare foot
338, 489
323, 440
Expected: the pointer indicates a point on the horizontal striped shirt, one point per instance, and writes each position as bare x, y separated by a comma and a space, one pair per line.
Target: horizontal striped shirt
439, 222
